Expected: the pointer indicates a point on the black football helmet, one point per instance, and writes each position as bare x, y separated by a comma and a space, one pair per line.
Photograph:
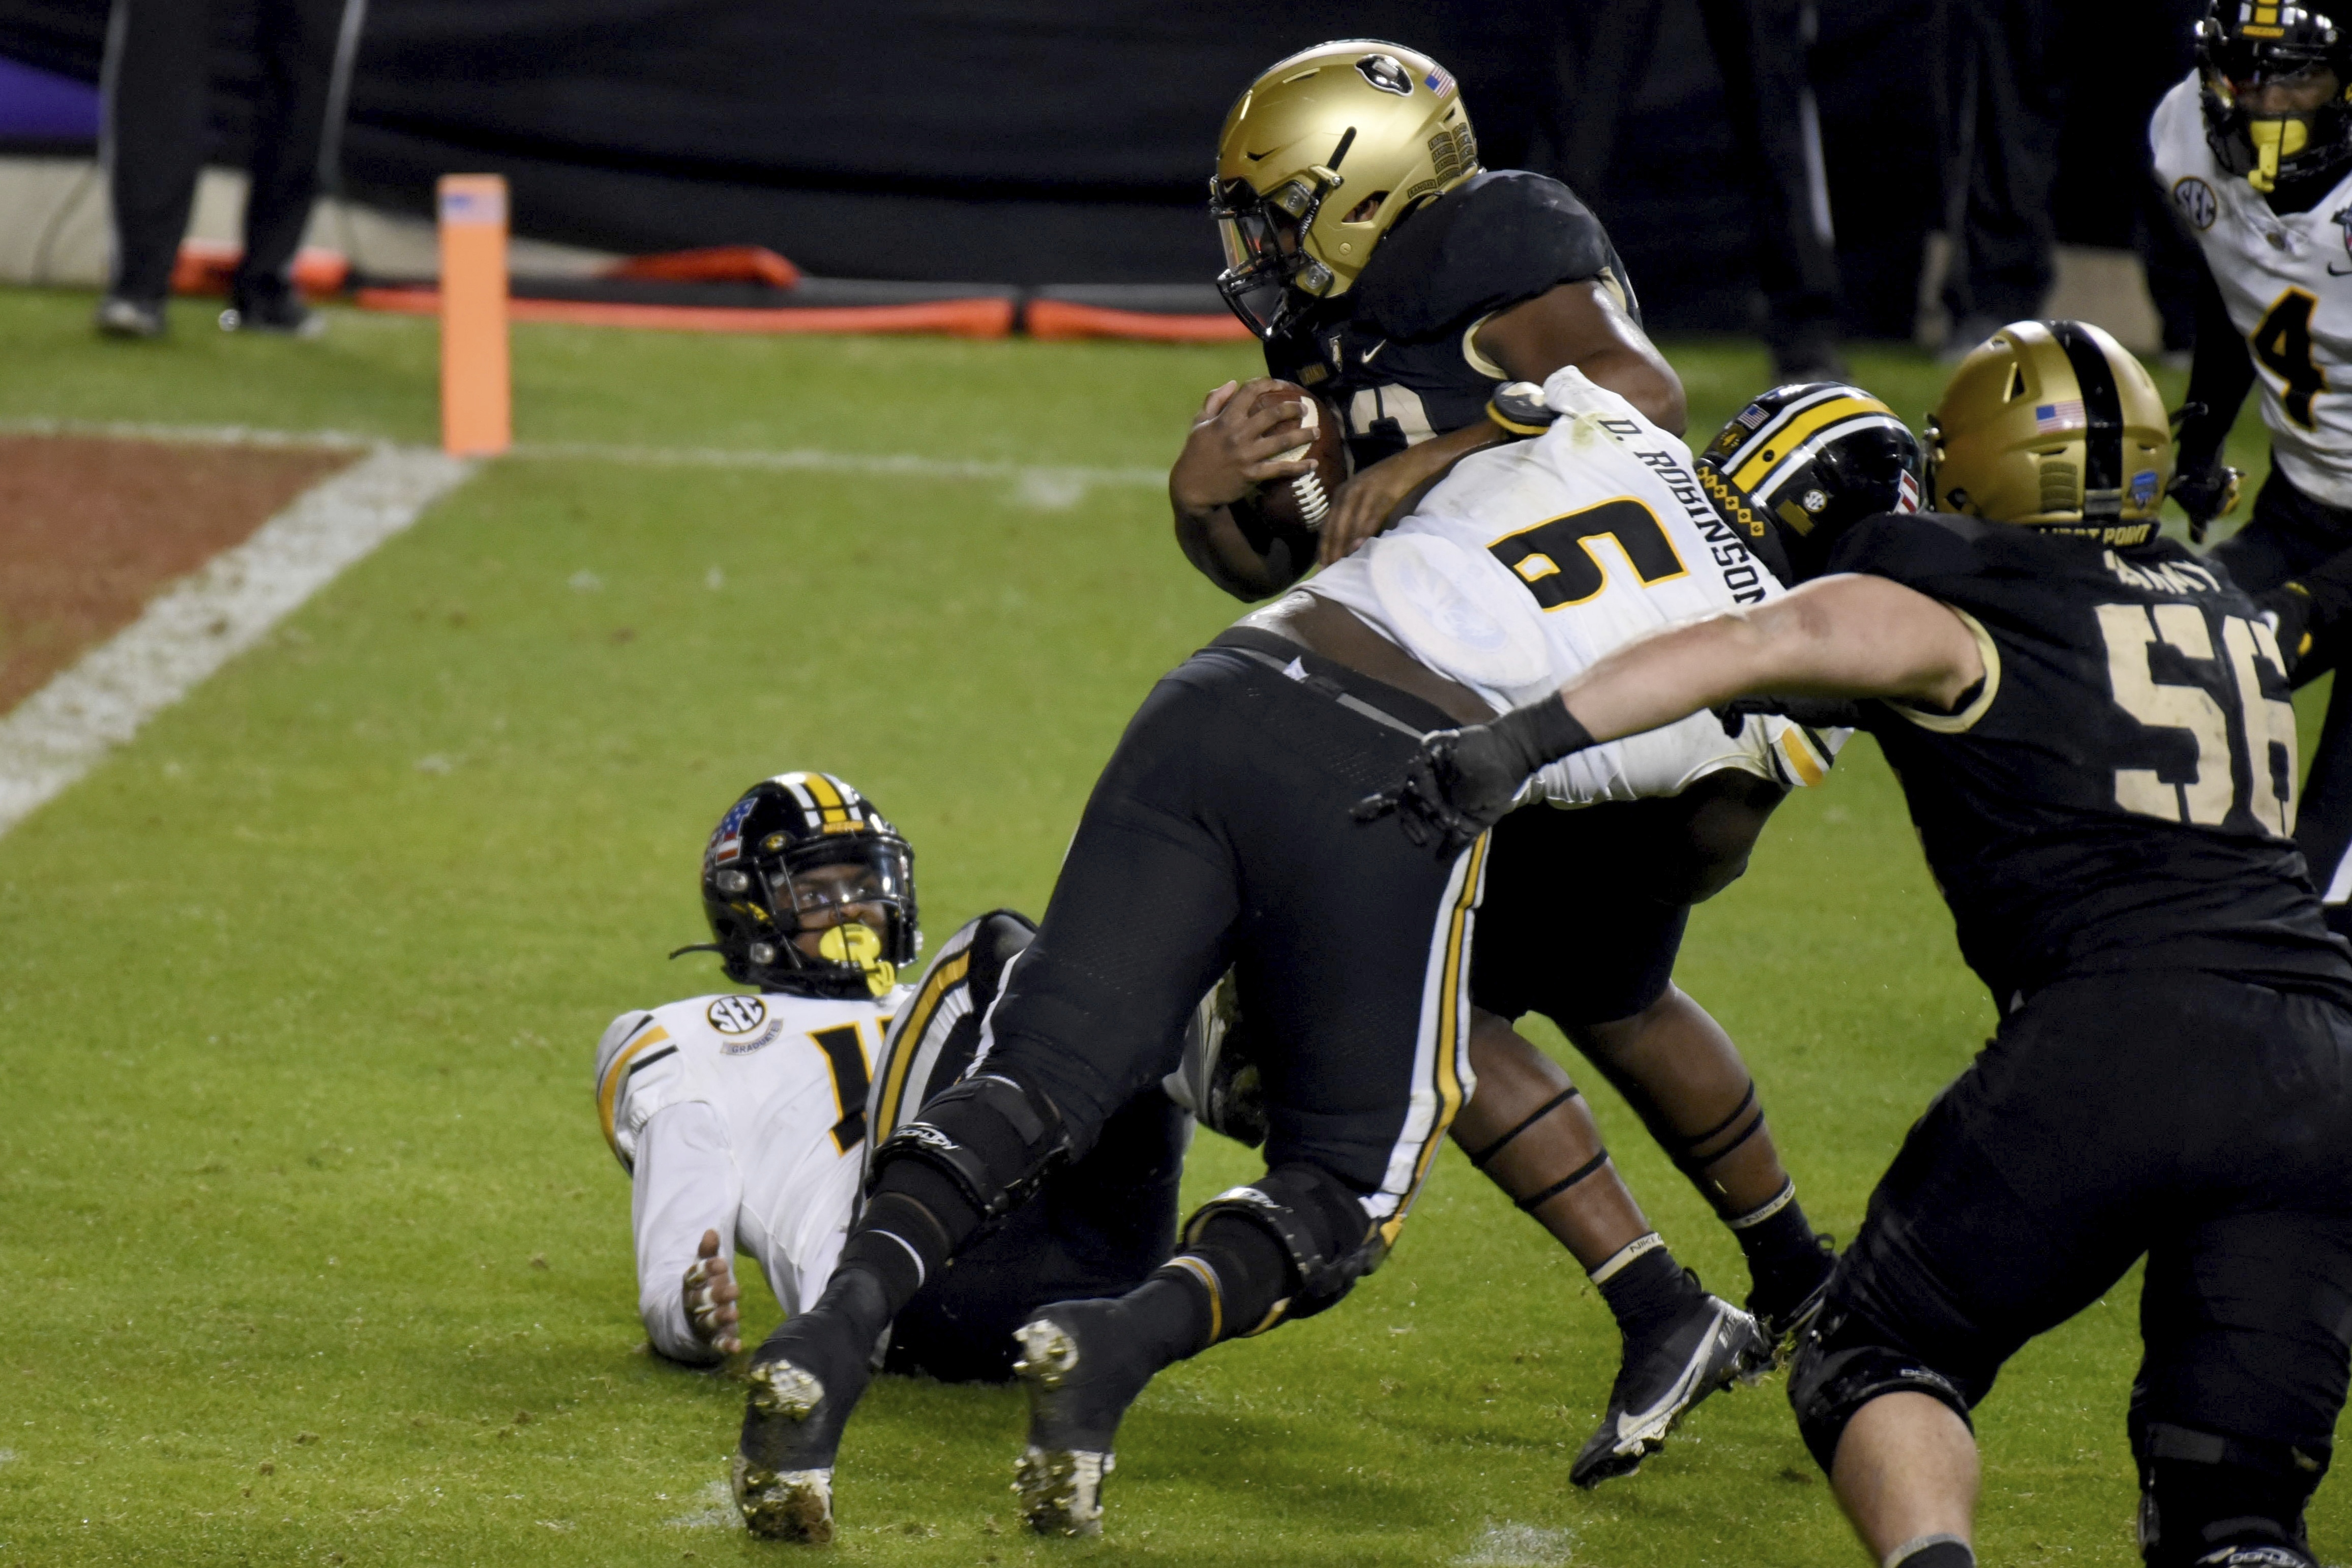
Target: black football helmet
771, 862
2246, 44
1805, 462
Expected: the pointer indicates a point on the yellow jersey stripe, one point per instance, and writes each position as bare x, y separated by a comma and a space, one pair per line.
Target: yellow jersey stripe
944, 978
608, 1093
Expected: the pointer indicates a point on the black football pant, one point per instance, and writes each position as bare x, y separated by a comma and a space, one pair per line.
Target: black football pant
158, 132
2189, 1117
2291, 532
1220, 835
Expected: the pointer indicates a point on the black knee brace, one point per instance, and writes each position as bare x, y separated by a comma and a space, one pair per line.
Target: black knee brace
2210, 1499
1843, 1367
1320, 1224
993, 1139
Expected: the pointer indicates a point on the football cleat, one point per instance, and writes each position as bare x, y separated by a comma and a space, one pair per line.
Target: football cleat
1785, 1305
805, 1383
1083, 1369
1703, 1350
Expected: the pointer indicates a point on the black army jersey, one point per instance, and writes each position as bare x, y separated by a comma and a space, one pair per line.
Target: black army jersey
2118, 791
1394, 353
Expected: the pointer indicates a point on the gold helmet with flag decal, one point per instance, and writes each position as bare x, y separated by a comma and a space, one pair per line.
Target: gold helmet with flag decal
790, 879
1318, 159
2052, 425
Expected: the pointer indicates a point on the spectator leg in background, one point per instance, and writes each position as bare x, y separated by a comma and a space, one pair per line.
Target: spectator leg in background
1761, 48
2001, 110
157, 76
296, 40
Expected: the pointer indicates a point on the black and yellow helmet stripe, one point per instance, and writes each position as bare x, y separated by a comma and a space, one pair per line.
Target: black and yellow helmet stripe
1791, 439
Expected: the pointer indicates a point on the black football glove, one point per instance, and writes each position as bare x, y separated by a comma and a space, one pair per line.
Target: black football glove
1463, 781
2205, 493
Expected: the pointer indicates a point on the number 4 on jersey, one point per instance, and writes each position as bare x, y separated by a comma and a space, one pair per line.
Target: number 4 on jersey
2221, 714
2282, 345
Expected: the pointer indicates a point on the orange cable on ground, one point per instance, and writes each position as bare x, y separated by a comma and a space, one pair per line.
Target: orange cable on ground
1063, 319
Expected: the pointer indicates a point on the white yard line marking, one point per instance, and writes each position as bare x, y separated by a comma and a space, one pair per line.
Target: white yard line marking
1041, 484
66, 728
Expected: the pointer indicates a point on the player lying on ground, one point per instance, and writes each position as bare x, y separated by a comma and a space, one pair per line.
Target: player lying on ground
744, 1120
2257, 149
1406, 289
1217, 839
2092, 732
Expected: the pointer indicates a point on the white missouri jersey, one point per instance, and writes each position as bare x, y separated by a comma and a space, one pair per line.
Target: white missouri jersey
2288, 281
745, 1114
1532, 560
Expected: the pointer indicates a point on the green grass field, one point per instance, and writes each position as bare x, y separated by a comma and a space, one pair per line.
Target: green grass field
309, 1250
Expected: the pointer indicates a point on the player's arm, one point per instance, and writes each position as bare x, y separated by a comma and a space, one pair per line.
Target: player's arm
686, 1192
1231, 450
2218, 380
1846, 636
1579, 324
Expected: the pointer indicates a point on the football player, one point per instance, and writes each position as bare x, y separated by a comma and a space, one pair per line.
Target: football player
1215, 840
1388, 272
2255, 148
744, 1120
2091, 729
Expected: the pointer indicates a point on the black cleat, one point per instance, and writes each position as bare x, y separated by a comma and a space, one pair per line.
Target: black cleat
805, 1380
1704, 1349
1784, 1303
1083, 1368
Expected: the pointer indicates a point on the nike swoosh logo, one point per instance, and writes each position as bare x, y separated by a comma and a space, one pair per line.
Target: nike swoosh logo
2336, 271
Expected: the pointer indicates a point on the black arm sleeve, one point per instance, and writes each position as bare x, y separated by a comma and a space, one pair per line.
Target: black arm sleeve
2217, 382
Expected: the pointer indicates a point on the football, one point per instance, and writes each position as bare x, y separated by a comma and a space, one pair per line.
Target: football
1303, 502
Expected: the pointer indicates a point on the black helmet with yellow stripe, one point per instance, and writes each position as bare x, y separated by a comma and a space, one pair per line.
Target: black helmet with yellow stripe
1803, 462
2275, 84
804, 861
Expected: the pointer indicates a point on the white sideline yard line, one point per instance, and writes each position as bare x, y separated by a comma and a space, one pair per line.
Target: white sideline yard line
67, 727
1048, 477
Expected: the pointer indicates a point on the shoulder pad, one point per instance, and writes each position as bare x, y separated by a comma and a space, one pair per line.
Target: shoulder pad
618, 1034
1495, 240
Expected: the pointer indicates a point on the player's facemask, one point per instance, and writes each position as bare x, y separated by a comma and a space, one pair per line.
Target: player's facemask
828, 888
1264, 262
2277, 89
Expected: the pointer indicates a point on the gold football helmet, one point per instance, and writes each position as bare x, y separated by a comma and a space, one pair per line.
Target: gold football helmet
2052, 425
1319, 159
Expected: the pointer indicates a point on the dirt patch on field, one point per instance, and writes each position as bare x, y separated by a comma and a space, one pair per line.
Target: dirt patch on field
91, 528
